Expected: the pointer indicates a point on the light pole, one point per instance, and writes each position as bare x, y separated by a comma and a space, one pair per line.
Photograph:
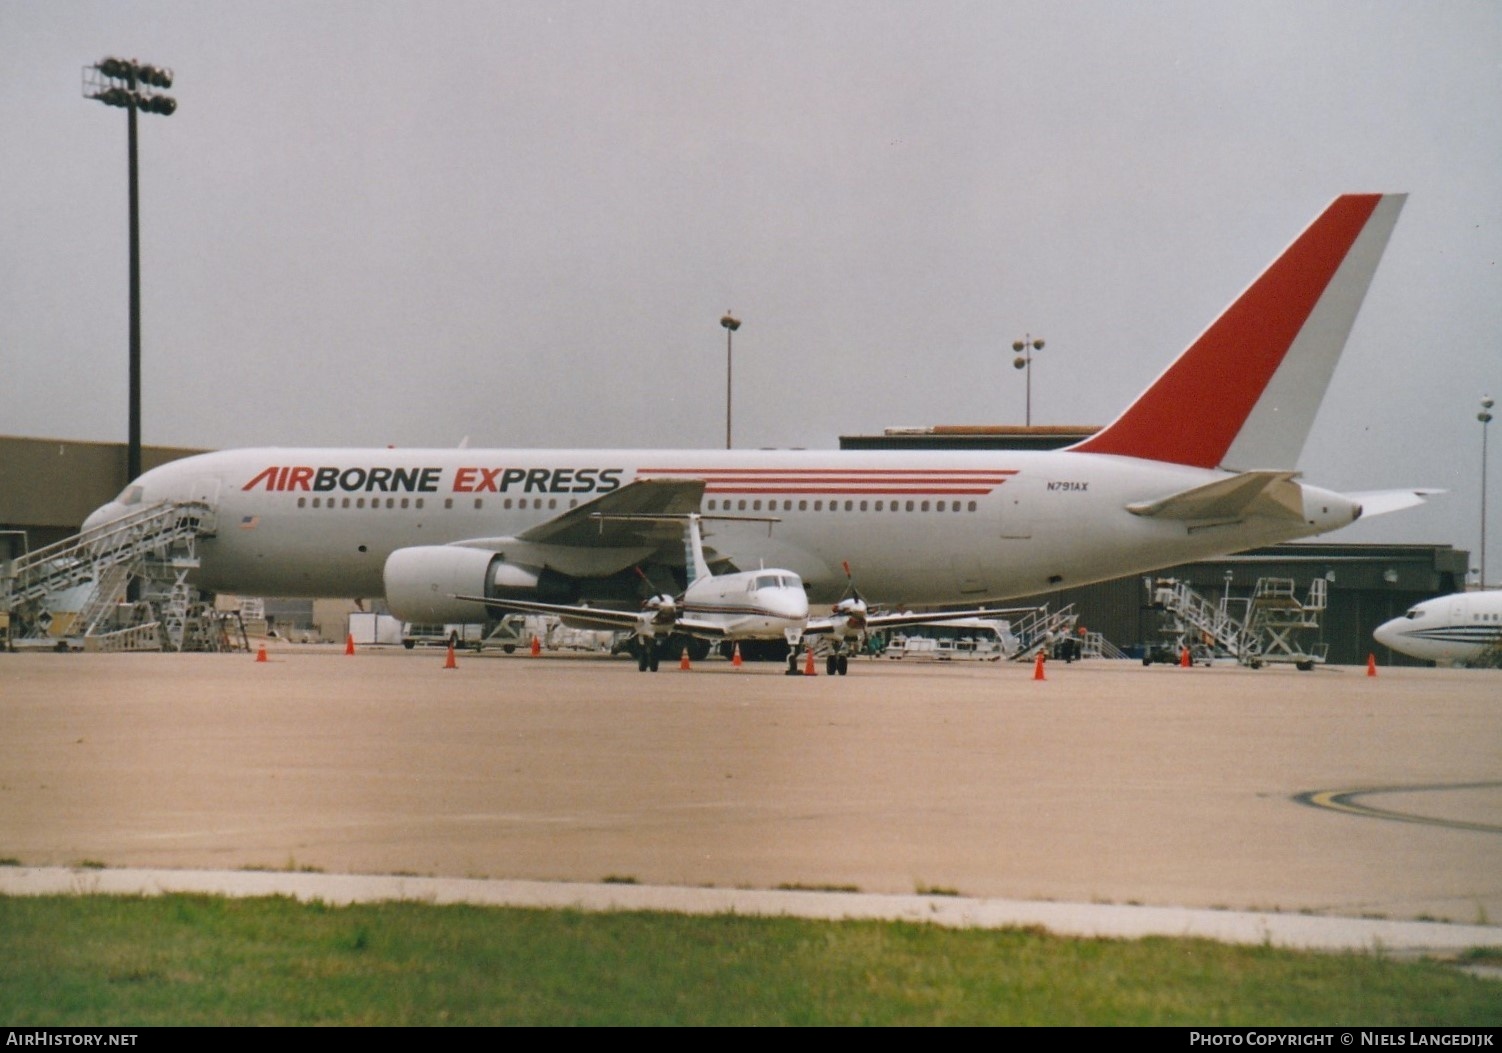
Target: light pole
128, 84
1024, 360
731, 324
1485, 417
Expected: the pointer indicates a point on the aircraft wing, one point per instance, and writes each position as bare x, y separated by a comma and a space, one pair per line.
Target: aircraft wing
645, 496
1268, 493
714, 630
581, 544
876, 622
603, 617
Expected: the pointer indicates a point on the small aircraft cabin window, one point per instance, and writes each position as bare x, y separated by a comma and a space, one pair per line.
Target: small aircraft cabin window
131, 495
1413, 612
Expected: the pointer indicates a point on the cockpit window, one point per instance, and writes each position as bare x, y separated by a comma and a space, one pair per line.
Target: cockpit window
1413, 612
131, 495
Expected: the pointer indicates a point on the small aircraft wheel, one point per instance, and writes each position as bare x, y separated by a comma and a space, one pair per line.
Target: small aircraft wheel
641, 661
652, 664
831, 665
1147, 659
509, 648
1303, 667
843, 666
409, 644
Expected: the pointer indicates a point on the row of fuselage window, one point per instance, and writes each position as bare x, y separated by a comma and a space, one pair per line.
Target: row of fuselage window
726, 505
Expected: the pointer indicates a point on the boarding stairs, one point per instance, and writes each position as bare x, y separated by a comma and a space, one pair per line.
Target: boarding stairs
1279, 619
1095, 645
1191, 621
156, 546
1490, 656
1037, 628
1267, 627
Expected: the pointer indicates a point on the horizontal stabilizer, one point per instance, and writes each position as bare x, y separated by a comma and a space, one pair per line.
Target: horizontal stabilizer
1264, 493
1380, 502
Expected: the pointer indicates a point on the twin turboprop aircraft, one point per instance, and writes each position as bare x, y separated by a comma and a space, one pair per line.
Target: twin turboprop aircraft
1202, 464
746, 605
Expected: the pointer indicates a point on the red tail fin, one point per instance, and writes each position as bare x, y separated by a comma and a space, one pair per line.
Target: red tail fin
1245, 393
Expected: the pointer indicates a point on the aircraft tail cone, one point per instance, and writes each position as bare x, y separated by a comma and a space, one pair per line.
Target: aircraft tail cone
1371, 664
808, 666
1184, 660
683, 663
735, 657
349, 643
536, 647
1038, 667
449, 662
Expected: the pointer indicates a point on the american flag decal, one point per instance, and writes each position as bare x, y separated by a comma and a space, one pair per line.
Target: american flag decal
937, 482
250, 522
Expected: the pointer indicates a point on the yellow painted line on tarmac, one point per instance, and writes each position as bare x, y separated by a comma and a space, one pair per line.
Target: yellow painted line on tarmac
1344, 801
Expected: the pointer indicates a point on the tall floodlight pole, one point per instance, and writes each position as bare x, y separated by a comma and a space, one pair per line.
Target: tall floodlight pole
731, 324
129, 84
1024, 360
1485, 417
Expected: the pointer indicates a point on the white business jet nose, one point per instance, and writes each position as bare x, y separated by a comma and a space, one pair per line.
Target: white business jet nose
1387, 633
106, 513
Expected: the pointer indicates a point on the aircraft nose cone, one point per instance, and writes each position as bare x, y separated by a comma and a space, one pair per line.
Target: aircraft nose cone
1387, 633
101, 515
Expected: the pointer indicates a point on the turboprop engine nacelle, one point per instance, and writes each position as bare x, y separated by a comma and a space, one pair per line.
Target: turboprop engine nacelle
421, 582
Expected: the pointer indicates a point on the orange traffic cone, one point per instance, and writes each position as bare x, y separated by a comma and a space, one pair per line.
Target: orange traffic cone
349, 643
536, 646
808, 666
1371, 664
1184, 661
735, 657
261, 654
683, 662
449, 663
1038, 668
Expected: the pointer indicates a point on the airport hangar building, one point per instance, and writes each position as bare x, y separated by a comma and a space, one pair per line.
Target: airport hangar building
48, 486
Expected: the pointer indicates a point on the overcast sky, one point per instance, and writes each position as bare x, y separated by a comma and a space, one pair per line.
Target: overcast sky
519, 223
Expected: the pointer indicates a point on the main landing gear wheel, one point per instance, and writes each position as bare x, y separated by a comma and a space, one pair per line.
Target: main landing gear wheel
647, 658
837, 665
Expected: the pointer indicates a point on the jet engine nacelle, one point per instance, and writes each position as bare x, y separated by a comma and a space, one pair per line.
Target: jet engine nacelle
422, 581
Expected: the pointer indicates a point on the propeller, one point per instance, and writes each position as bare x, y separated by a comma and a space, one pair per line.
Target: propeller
851, 606
658, 610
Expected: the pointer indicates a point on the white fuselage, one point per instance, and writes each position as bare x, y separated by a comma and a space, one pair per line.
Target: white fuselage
1450, 630
750, 605
920, 527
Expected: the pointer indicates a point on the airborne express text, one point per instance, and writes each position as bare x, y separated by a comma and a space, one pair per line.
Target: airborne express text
430, 480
